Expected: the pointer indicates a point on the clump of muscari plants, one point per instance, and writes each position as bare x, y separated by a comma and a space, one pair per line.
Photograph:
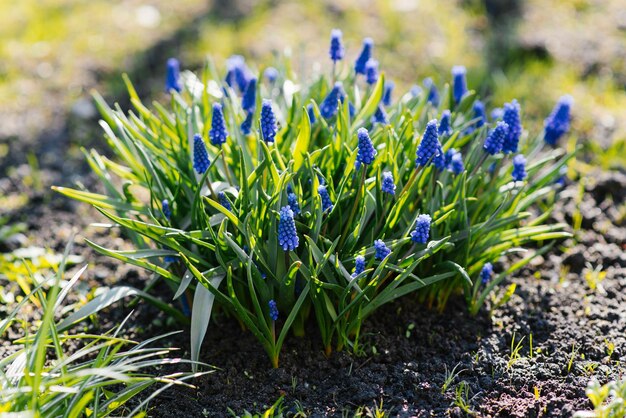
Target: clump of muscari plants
282, 201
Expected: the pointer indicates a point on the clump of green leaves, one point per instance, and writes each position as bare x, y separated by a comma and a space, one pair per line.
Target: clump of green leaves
609, 400
218, 233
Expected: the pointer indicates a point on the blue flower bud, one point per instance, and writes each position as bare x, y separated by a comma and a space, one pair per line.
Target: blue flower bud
512, 118
497, 113
268, 121
287, 235
388, 186
444, 123
273, 310
366, 54
336, 45
495, 139
519, 168
422, 229
221, 196
311, 112
218, 132
389, 85
246, 125
201, 162
172, 76
415, 90
271, 74
479, 113
327, 204
366, 151
371, 71
429, 150
456, 163
238, 73
292, 200
359, 265
486, 273
248, 102
165, 205
351, 110
433, 93
380, 116
382, 251
557, 124
329, 106
459, 83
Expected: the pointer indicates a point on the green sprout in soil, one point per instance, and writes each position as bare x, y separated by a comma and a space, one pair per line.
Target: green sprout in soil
282, 201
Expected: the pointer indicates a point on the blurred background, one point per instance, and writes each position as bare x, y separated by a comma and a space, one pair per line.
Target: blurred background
52, 52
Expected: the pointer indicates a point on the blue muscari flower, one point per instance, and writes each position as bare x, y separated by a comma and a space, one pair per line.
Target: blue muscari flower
327, 204
492, 167
486, 273
415, 90
271, 74
248, 102
246, 125
512, 118
273, 310
422, 229
557, 124
456, 163
351, 110
366, 54
292, 200
389, 85
371, 71
459, 83
448, 156
221, 196
495, 139
218, 132
172, 77
170, 259
479, 113
201, 162
337, 50
382, 251
380, 116
329, 105
287, 235
268, 121
429, 149
359, 265
497, 113
238, 73
519, 168
388, 186
366, 151
311, 112
433, 93
167, 211
444, 123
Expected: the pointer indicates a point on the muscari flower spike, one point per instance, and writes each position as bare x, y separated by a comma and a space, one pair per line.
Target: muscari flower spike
366, 151
444, 123
422, 229
389, 85
497, 113
351, 110
388, 186
380, 116
337, 50
382, 251
268, 121
287, 235
371, 71
221, 197
329, 105
311, 112
479, 113
415, 90
218, 132
248, 102
271, 74
459, 83
327, 204
172, 77
292, 200
359, 265
201, 162
364, 56
495, 139
273, 310
246, 125
486, 273
429, 150
456, 163
519, 168
557, 124
238, 73
448, 156
433, 93
165, 207
512, 118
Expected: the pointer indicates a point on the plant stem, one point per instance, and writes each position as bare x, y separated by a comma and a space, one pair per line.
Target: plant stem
213, 195
411, 181
356, 203
230, 180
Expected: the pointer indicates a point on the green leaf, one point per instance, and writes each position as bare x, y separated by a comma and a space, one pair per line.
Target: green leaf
302, 142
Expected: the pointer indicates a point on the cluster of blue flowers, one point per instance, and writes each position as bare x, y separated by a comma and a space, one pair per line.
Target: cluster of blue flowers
172, 78
381, 250
329, 106
165, 207
388, 186
557, 124
422, 229
201, 162
359, 265
268, 121
218, 132
366, 151
429, 150
287, 234
221, 197
327, 204
273, 310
